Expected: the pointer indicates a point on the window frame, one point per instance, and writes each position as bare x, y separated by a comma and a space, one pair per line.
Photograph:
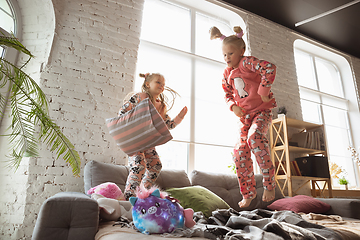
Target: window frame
349, 92
194, 10
12, 55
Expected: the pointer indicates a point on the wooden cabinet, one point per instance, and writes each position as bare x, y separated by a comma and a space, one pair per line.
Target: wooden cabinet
283, 151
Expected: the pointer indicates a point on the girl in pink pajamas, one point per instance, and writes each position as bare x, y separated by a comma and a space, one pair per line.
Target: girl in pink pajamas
145, 166
247, 82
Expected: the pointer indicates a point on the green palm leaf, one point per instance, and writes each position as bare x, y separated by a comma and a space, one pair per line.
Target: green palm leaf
29, 111
13, 42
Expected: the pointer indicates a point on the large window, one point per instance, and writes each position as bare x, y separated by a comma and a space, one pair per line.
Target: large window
175, 42
323, 100
9, 21
7, 16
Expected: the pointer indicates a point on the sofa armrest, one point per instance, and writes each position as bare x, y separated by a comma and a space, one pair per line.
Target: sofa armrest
67, 216
345, 207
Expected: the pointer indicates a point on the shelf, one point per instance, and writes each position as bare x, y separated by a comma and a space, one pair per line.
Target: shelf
281, 153
302, 178
290, 122
300, 150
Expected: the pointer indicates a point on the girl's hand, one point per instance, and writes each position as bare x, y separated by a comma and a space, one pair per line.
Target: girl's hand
239, 111
183, 112
266, 98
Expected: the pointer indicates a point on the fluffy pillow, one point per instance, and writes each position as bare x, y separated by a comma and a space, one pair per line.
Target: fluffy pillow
300, 203
108, 190
198, 198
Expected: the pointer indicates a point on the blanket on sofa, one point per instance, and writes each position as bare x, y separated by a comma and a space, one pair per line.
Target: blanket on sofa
259, 224
262, 224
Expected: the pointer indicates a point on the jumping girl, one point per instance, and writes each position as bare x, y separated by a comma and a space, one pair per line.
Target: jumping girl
145, 166
247, 82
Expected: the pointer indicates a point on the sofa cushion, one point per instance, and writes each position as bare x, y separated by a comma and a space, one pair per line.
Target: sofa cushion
300, 203
67, 215
96, 173
227, 187
198, 198
345, 207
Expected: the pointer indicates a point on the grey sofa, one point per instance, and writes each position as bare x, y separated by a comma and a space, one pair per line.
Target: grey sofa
75, 216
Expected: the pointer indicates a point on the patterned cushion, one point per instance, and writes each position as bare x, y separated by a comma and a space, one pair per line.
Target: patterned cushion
139, 129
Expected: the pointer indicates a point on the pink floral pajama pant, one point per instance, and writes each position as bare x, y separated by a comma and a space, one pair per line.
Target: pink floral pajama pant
144, 169
253, 129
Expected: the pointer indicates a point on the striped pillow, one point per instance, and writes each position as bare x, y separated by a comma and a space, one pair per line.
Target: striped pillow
139, 129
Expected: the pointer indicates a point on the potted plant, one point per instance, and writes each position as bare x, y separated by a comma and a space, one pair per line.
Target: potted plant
281, 111
344, 181
30, 122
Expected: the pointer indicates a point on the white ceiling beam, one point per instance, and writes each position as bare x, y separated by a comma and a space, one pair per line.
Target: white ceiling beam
326, 13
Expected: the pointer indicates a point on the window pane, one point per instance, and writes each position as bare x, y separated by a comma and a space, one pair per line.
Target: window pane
310, 111
328, 77
5, 6
2, 51
166, 24
204, 46
6, 22
213, 159
337, 140
179, 80
304, 70
173, 155
334, 102
346, 163
309, 95
335, 117
214, 122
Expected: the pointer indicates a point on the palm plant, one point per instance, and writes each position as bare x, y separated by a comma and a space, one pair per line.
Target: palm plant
29, 114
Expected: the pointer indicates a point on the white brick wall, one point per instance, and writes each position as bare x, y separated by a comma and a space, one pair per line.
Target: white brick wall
87, 68
272, 42
86, 56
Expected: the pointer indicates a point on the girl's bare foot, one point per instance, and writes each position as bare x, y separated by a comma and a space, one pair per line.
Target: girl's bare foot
245, 202
268, 195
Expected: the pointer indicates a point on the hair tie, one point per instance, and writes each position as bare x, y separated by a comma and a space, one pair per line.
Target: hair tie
146, 75
240, 34
222, 37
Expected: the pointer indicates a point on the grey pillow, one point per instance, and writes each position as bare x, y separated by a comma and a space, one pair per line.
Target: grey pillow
96, 173
227, 187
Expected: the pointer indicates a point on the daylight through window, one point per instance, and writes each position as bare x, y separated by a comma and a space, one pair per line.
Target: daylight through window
175, 42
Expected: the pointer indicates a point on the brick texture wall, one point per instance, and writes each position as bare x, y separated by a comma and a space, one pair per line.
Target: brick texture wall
86, 56
85, 62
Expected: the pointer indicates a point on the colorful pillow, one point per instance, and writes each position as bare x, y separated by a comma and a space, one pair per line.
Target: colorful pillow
198, 198
139, 129
300, 203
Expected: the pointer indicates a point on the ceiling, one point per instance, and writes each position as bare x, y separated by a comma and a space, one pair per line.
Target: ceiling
339, 28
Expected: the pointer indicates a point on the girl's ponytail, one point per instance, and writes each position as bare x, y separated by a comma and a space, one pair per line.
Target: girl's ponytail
235, 39
215, 33
238, 29
144, 75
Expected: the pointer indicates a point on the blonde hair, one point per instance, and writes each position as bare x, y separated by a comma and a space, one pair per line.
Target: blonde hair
232, 39
165, 105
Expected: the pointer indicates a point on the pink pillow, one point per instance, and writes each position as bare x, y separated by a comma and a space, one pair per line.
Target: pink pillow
300, 203
108, 190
